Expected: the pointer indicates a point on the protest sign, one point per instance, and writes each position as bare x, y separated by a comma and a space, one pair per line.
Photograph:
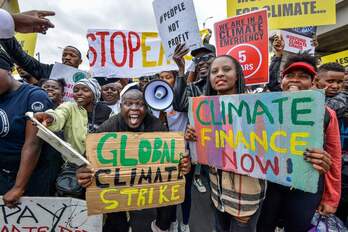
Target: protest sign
48, 214
70, 74
340, 57
288, 13
305, 31
296, 43
135, 171
260, 135
177, 23
124, 54
28, 42
65, 149
245, 38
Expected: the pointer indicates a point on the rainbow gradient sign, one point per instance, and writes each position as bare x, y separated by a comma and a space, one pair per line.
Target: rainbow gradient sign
260, 135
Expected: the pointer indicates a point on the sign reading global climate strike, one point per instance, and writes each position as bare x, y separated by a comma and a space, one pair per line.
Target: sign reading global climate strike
260, 135
135, 171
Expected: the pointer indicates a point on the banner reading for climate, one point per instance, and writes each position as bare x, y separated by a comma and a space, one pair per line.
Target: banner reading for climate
288, 13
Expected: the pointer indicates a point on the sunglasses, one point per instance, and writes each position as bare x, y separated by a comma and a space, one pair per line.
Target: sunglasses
204, 58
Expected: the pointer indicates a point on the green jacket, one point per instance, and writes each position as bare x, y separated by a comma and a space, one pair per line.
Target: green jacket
73, 120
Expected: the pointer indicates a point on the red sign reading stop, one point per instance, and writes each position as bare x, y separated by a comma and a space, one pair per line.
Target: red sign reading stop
245, 38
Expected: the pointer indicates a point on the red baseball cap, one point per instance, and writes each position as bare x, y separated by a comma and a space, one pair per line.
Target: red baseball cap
300, 65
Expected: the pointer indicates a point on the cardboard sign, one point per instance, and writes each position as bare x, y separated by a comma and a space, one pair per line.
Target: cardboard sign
124, 54
135, 171
177, 23
55, 214
70, 74
260, 135
245, 38
288, 13
296, 43
340, 57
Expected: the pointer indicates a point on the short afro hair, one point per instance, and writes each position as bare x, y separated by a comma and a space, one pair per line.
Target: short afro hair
332, 66
302, 57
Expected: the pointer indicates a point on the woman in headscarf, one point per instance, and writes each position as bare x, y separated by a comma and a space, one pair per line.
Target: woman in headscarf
80, 117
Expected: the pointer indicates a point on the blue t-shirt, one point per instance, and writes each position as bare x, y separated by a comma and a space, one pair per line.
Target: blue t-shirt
13, 106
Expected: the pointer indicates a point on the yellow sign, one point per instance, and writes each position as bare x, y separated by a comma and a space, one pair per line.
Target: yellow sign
28, 42
340, 57
288, 13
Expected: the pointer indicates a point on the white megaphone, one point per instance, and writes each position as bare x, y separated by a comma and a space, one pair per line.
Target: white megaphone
159, 95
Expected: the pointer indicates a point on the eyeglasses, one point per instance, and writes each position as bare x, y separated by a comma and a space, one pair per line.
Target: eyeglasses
204, 58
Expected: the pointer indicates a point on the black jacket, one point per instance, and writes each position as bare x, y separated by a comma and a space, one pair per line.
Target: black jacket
182, 91
25, 61
274, 74
117, 124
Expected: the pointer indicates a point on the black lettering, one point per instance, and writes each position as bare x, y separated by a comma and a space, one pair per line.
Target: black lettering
158, 176
146, 177
133, 175
30, 215
97, 181
170, 170
117, 181
3, 208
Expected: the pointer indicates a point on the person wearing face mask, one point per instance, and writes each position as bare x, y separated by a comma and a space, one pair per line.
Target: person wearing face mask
134, 117
80, 117
293, 207
237, 198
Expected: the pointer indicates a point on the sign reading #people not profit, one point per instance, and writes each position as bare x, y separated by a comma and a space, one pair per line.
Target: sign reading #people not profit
135, 171
177, 24
260, 135
288, 13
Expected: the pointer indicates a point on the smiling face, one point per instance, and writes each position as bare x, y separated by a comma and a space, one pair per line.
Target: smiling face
296, 80
54, 90
223, 76
83, 95
110, 93
331, 81
71, 57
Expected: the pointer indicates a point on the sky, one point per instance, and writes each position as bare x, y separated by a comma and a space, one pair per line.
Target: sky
74, 17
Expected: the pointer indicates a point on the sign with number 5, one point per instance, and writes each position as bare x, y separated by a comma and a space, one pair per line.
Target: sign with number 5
245, 38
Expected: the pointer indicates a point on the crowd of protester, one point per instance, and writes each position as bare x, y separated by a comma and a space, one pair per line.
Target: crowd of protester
30, 167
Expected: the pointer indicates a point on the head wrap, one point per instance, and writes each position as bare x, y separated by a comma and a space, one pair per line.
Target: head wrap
93, 85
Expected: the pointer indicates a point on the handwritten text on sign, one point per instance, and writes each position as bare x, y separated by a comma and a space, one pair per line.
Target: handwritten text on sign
177, 23
288, 13
125, 54
135, 171
245, 38
41, 214
260, 135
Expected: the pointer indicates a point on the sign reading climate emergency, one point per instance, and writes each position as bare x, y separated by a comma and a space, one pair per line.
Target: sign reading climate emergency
135, 171
288, 13
260, 135
245, 38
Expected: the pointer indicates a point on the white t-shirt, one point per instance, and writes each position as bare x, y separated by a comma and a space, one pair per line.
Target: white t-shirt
7, 26
116, 108
177, 121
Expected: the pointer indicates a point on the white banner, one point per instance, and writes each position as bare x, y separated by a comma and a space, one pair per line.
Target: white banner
127, 54
70, 74
296, 43
177, 23
43, 214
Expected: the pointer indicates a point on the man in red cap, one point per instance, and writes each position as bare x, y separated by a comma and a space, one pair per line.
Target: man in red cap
295, 208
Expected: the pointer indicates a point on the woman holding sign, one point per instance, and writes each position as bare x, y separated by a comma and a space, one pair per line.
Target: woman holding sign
295, 208
237, 198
